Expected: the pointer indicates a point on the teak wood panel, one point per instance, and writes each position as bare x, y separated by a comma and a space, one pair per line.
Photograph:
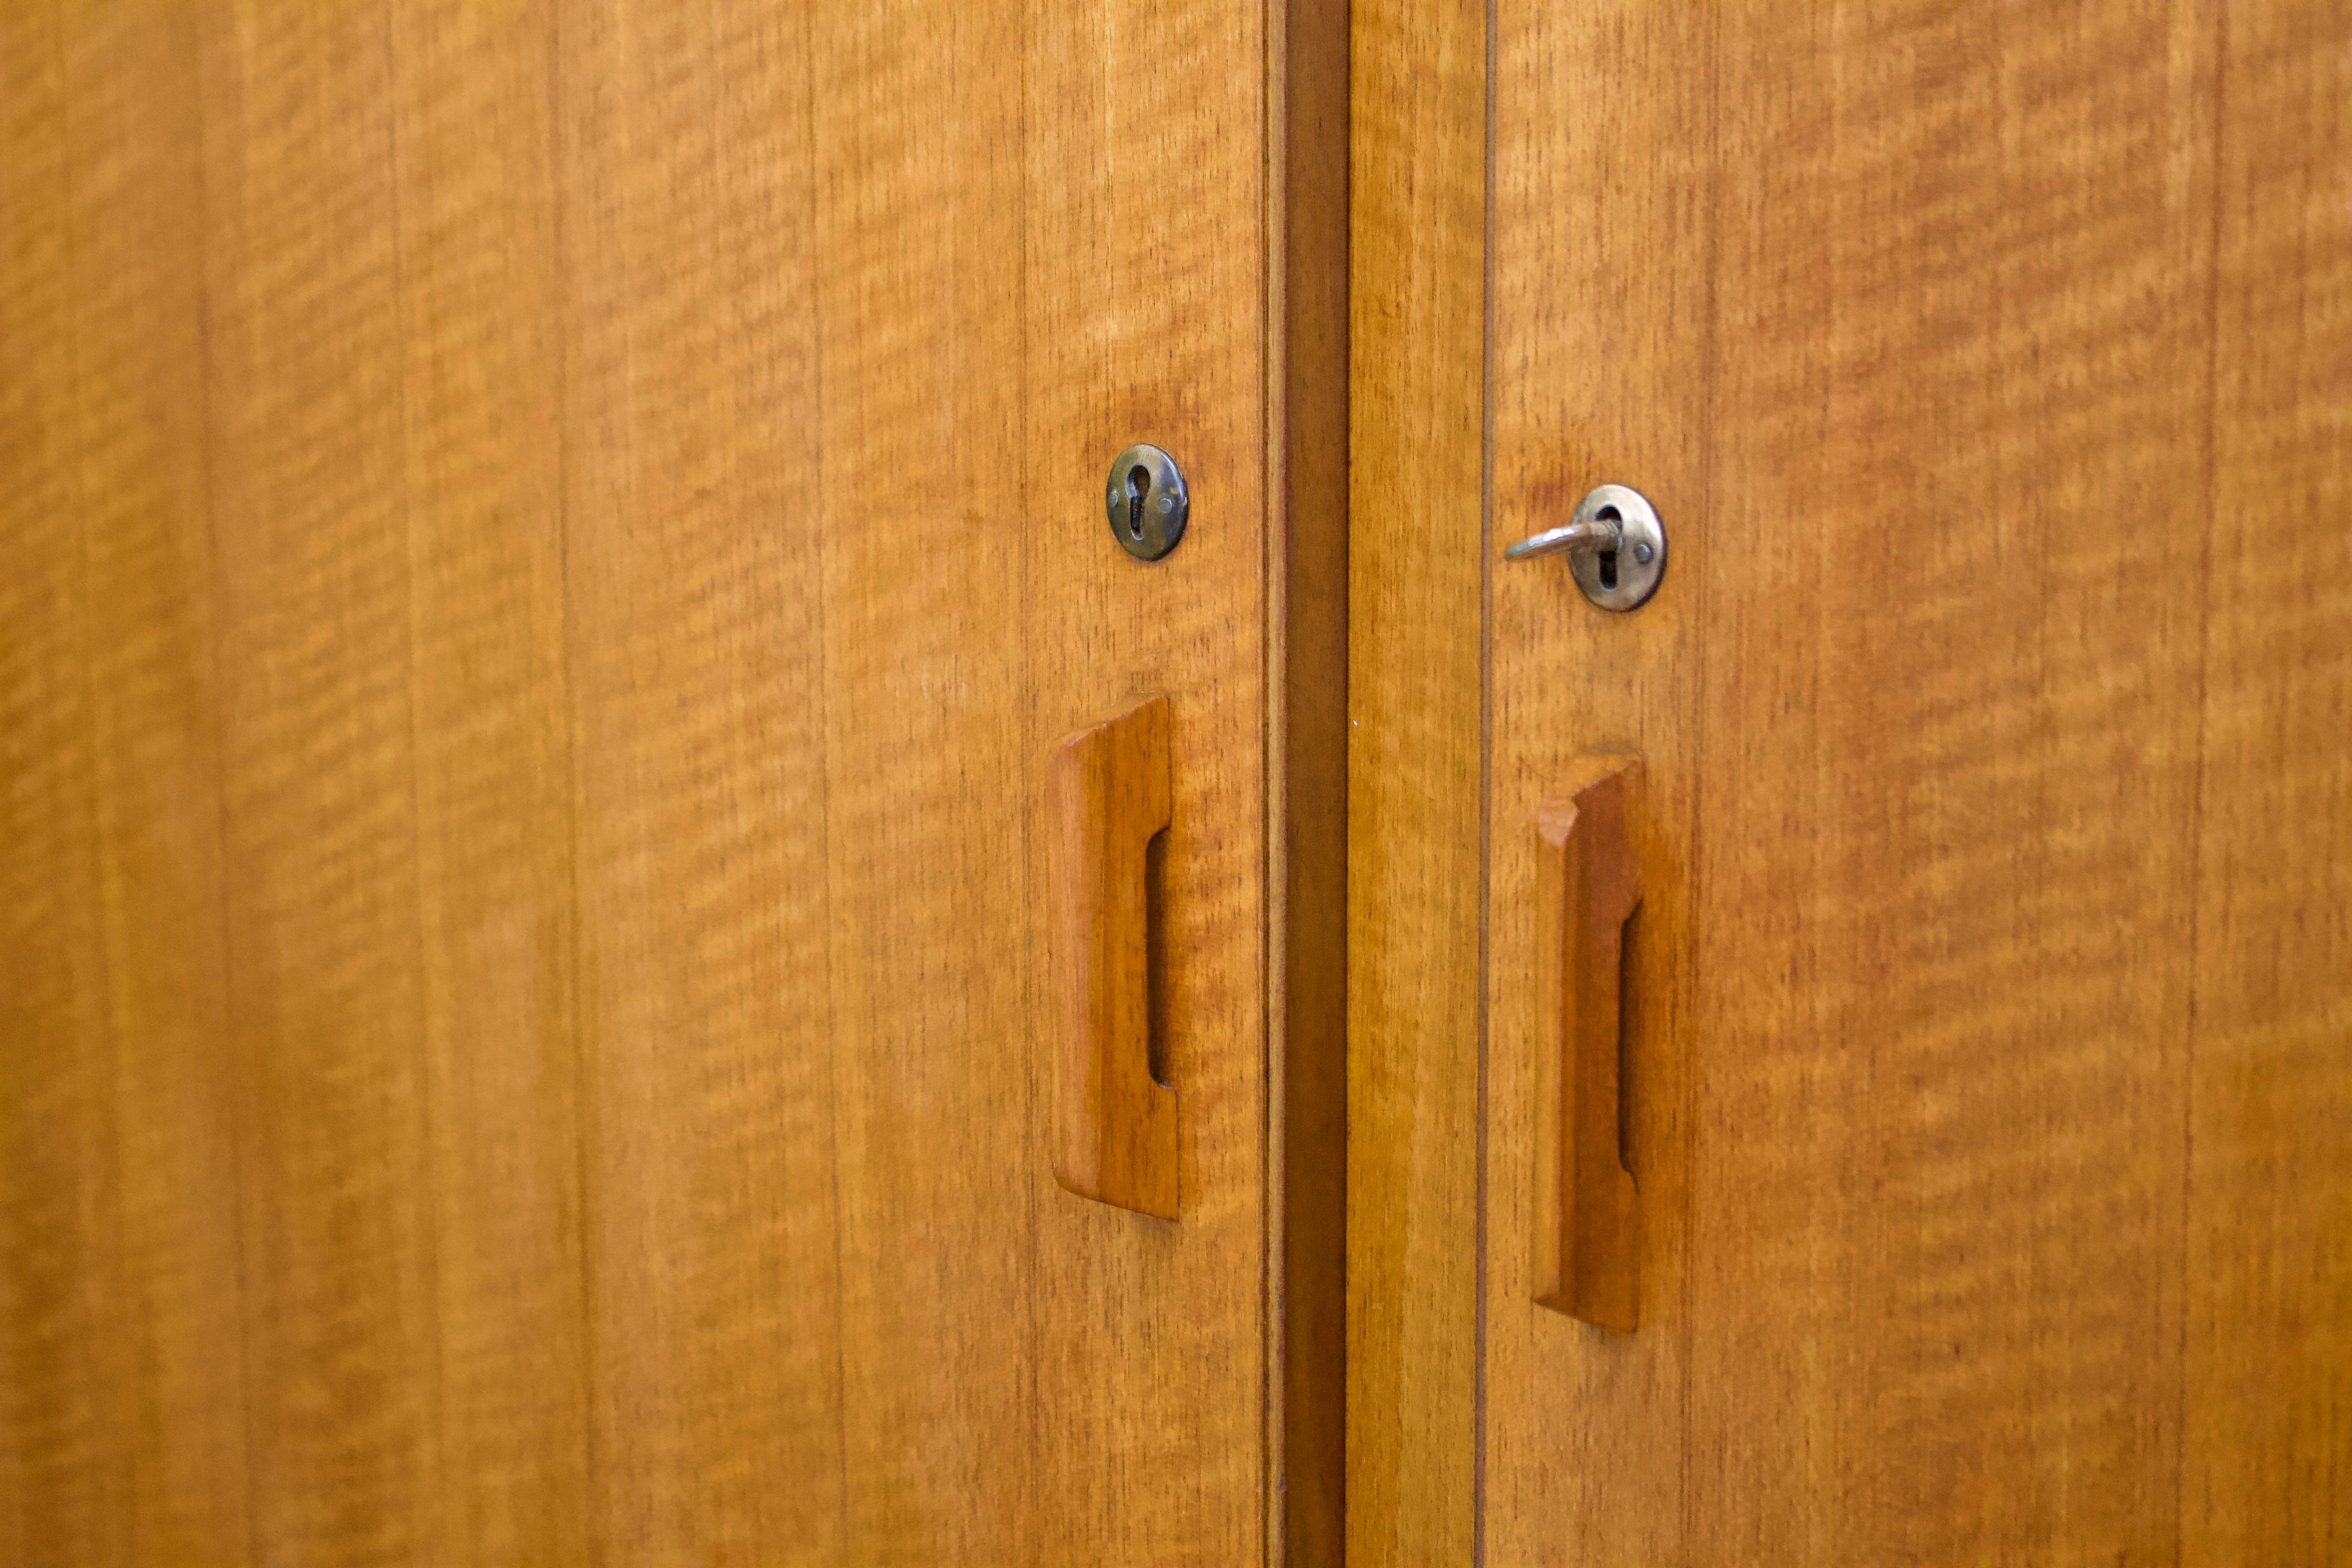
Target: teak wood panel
547, 550
2269, 1178
1987, 1042
121, 1382
1415, 625
1947, 519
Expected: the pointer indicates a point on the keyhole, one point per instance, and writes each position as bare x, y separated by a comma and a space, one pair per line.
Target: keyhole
1605, 564
1139, 485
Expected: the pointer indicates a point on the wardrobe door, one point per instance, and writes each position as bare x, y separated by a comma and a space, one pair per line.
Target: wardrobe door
855, 320
1944, 1160
554, 948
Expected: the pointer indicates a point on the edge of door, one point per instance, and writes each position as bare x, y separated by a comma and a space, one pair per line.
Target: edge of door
1307, 163
1420, 143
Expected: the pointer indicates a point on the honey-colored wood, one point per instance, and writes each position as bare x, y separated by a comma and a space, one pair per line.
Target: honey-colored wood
814, 826
1145, 318
304, 401
1114, 1125
492, 760
66, 1376
482, 477
548, 549
688, 256
126, 1386
1604, 355
1586, 1237
1931, 1139
128, 431
1416, 612
2266, 1394
1976, 1086
397, 847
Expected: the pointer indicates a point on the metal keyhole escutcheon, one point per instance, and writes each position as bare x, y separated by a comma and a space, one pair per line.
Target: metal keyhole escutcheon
1616, 546
1146, 501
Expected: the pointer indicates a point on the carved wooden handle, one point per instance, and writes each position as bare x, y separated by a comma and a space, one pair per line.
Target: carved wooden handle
1115, 1127
1587, 1216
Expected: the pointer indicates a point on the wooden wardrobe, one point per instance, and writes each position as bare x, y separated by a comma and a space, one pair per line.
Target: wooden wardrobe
771, 793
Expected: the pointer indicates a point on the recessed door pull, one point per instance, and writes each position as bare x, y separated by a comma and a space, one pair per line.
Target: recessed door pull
1116, 1126
1588, 1215
1616, 546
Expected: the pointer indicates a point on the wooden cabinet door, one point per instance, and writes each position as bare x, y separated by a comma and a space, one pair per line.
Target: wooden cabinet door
1986, 1035
545, 552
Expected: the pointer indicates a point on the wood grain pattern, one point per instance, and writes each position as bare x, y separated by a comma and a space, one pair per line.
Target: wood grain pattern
531, 919
134, 432
1114, 1124
942, 1045
2267, 1384
1416, 611
1153, 1419
1938, 1037
1586, 1223
66, 1386
472, 151
1603, 352
340, 1328
1905, 317
690, 493
399, 862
